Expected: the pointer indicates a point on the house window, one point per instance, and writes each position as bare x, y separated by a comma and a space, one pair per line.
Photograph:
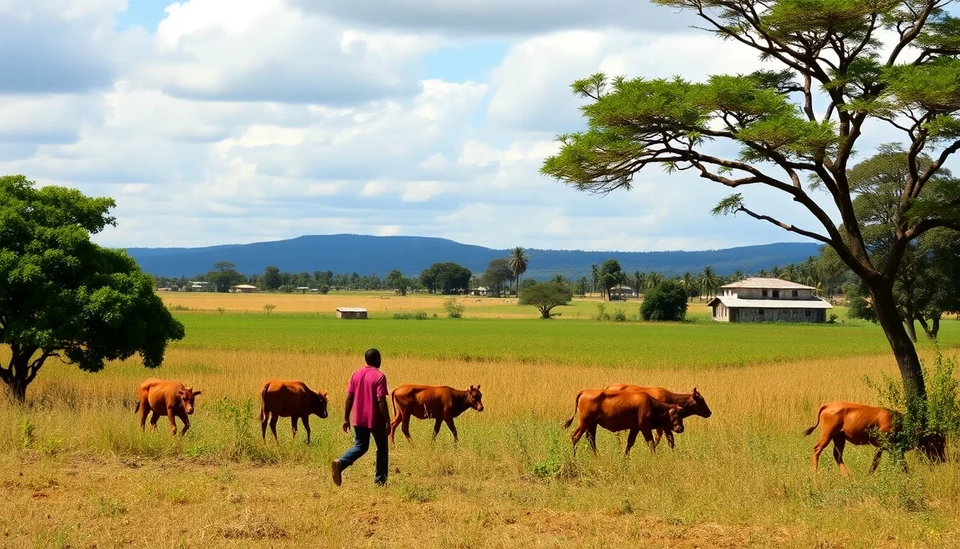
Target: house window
795, 293
776, 294
763, 293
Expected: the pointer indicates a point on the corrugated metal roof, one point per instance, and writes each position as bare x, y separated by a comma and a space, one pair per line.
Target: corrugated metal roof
767, 283
737, 302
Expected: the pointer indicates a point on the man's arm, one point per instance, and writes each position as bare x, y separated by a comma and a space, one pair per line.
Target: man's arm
347, 408
384, 411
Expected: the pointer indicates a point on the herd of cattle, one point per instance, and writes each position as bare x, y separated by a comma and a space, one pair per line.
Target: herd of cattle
618, 407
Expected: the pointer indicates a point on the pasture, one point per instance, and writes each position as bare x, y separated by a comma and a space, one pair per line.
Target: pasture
77, 472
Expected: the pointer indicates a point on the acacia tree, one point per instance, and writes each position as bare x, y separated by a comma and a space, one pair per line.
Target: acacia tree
545, 296
518, 261
62, 296
801, 122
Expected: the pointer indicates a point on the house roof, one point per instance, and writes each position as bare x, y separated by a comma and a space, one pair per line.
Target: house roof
767, 283
245, 287
351, 309
739, 303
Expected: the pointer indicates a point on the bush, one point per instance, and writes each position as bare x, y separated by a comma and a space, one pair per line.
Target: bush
419, 315
602, 313
665, 301
453, 308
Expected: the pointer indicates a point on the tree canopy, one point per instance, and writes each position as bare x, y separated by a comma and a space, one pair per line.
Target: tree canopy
497, 276
545, 296
610, 275
843, 68
665, 301
62, 295
445, 278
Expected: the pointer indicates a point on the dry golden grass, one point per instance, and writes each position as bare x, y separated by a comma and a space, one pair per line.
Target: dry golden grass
77, 472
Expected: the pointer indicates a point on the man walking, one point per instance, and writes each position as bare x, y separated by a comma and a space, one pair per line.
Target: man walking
367, 398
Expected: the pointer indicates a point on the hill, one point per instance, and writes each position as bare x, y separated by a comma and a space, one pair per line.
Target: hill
348, 253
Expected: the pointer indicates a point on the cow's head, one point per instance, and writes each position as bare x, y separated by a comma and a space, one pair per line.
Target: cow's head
474, 398
186, 396
676, 419
319, 405
934, 446
700, 407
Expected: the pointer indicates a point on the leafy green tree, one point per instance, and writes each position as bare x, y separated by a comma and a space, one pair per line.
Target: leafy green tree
688, 284
272, 279
63, 296
545, 296
837, 81
581, 287
518, 263
445, 278
595, 277
709, 282
665, 301
397, 282
610, 275
497, 275
224, 276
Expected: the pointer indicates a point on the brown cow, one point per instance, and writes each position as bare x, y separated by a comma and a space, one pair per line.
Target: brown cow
692, 404
164, 397
426, 401
292, 399
614, 410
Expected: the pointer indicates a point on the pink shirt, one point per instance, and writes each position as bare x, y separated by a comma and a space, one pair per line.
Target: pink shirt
367, 385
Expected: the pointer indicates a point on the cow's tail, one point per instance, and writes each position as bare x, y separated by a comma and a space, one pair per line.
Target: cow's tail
576, 406
810, 429
263, 403
137, 409
393, 399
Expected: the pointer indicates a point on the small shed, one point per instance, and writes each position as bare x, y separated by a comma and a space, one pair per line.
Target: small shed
351, 312
243, 289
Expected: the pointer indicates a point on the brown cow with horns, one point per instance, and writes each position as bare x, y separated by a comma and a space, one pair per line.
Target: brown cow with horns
165, 398
691, 404
615, 410
426, 401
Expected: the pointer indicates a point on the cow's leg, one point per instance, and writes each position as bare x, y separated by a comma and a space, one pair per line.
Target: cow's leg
264, 417
186, 422
819, 447
838, 443
144, 410
154, 418
876, 460
452, 428
393, 425
631, 439
669, 435
274, 418
648, 436
592, 437
173, 421
293, 426
436, 427
575, 437
306, 427
405, 427
656, 440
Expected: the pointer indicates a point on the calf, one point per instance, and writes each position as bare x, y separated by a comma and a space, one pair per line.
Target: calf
426, 401
164, 397
292, 399
615, 410
691, 404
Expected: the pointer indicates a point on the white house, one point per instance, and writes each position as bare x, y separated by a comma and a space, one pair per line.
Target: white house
768, 300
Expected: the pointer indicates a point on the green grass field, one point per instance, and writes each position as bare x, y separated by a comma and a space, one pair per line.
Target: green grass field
77, 472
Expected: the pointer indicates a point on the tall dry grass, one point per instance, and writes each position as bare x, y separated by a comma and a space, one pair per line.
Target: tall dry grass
739, 478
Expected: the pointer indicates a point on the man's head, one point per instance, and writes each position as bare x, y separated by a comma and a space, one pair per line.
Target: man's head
372, 357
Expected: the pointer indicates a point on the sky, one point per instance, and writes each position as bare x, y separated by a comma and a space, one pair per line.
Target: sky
234, 121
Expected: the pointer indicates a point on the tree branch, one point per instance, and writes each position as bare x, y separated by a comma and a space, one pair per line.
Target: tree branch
786, 226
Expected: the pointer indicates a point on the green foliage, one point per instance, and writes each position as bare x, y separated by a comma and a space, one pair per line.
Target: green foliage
497, 276
399, 283
666, 301
545, 296
453, 308
271, 279
63, 295
445, 278
611, 274
602, 313
269, 307
243, 443
418, 315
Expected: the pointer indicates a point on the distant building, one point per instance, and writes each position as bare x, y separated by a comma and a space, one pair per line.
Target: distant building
479, 290
201, 286
622, 292
243, 289
351, 312
768, 300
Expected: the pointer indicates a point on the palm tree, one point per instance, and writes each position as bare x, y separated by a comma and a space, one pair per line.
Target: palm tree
595, 273
687, 283
560, 279
654, 279
518, 263
709, 281
737, 276
639, 281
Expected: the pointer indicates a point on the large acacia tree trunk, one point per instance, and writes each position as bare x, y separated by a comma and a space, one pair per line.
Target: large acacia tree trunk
903, 349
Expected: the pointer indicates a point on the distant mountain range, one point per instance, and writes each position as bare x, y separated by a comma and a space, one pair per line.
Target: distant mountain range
362, 254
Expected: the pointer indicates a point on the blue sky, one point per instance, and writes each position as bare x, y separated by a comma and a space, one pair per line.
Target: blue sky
232, 121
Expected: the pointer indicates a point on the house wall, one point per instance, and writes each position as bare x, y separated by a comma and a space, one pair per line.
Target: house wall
753, 314
757, 293
721, 313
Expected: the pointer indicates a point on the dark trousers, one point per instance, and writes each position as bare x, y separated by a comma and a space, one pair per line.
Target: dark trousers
361, 436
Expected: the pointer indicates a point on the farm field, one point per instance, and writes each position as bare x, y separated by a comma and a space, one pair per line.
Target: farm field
77, 471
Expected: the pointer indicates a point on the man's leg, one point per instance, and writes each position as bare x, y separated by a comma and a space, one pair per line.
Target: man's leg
380, 438
361, 437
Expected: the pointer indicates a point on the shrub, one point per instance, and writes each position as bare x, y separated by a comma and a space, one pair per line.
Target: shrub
453, 308
268, 308
602, 313
665, 301
419, 315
